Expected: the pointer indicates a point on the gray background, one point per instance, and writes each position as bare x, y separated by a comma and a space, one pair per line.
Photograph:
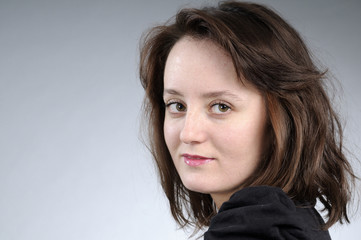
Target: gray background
71, 163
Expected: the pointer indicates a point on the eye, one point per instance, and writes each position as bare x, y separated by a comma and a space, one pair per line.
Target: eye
175, 107
220, 108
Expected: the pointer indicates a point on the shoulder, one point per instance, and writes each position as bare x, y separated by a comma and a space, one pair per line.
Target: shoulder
264, 213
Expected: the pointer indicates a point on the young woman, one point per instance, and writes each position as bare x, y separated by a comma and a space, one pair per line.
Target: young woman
240, 126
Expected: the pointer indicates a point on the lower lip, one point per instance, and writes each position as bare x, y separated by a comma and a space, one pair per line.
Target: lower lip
196, 162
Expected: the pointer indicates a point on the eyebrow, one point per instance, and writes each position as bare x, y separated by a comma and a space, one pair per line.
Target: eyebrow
172, 92
214, 94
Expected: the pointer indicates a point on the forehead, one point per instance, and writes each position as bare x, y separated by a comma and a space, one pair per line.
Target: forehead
196, 50
193, 59
202, 68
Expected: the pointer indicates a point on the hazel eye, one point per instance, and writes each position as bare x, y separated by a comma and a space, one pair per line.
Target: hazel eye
176, 107
220, 108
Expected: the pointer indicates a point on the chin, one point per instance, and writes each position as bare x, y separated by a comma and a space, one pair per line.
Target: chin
200, 185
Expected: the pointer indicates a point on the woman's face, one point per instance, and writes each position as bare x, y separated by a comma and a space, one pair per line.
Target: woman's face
214, 125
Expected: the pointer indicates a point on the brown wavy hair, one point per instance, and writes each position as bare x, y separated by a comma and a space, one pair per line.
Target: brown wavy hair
306, 156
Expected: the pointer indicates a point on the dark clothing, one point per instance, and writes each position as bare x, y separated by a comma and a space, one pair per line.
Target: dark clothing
256, 213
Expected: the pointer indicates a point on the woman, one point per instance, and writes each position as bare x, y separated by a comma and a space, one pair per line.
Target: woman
240, 125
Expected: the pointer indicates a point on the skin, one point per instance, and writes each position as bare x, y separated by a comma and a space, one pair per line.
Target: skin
211, 113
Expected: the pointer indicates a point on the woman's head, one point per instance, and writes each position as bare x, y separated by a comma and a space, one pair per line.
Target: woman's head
214, 126
292, 132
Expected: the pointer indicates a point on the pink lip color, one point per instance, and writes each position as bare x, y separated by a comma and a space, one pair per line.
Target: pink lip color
195, 160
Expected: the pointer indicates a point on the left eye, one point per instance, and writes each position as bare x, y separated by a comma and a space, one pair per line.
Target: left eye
220, 108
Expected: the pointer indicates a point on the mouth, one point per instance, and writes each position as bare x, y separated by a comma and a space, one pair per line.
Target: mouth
195, 160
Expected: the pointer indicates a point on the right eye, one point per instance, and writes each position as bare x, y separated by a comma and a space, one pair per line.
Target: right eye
176, 107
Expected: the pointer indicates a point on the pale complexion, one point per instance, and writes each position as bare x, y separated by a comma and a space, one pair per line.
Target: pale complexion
211, 114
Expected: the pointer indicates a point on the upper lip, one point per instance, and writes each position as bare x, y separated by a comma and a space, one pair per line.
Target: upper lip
192, 156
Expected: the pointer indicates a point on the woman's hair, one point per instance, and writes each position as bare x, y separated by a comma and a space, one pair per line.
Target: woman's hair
305, 157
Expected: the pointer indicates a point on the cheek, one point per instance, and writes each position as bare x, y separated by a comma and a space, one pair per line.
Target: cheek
243, 141
171, 135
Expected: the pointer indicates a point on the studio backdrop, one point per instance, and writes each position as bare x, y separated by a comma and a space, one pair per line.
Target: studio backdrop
72, 164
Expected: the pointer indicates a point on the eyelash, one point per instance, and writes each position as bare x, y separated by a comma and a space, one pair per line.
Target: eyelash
174, 102
212, 105
221, 103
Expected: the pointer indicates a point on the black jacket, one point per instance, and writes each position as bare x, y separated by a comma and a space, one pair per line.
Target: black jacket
256, 213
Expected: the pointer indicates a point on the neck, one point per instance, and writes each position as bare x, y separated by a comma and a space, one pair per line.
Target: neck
220, 198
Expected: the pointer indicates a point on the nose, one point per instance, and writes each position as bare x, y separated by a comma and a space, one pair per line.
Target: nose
194, 129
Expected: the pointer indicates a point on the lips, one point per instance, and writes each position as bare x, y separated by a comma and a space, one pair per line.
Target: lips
195, 160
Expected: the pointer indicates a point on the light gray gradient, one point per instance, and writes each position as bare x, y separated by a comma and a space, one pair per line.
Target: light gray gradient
71, 162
